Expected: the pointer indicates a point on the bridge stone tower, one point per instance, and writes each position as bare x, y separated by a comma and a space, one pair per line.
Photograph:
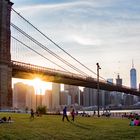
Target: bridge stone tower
5, 56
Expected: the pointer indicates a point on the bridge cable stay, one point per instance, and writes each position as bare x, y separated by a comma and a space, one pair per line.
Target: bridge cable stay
57, 44
38, 53
15, 49
48, 50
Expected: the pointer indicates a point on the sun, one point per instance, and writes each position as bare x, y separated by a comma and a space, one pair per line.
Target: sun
36, 83
40, 86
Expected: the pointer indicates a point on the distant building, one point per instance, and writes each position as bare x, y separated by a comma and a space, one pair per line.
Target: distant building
118, 95
109, 95
73, 91
30, 98
86, 101
19, 95
107, 98
47, 99
39, 99
133, 77
55, 96
89, 97
110, 81
64, 98
102, 98
133, 82
81, 98
119, 80
131, 99
128, 100
69, 100
23, 96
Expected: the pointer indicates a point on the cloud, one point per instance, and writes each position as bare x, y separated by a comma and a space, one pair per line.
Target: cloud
53, 7
86, 40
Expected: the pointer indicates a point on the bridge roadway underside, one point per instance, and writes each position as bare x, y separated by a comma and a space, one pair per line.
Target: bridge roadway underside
56, 78
68, 79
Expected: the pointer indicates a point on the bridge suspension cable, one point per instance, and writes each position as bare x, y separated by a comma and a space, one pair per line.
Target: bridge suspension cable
57, 45
48, 50
37, 52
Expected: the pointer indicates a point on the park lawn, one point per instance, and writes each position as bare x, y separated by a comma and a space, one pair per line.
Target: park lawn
51, 127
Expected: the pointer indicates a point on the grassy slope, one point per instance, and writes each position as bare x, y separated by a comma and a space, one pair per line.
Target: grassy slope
52, 128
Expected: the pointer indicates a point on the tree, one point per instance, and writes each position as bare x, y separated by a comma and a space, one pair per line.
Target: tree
42, 109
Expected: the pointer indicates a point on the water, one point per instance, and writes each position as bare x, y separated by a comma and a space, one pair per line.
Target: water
112, 112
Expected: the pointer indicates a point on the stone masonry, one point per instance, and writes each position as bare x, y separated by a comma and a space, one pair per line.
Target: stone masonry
5, 56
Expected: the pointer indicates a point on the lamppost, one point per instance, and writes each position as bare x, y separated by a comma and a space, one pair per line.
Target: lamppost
98, 67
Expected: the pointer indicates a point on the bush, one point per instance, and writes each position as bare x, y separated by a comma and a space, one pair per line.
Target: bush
42, 109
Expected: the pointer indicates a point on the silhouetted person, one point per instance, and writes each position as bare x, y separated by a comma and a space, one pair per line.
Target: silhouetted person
9, 119
3, 119
32, 114
72, 114
65, 114
94, 113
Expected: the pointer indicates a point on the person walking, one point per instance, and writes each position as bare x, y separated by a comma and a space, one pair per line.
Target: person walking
73, 114
32, 114
65, 114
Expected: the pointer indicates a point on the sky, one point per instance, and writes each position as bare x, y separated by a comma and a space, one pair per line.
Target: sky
103, 31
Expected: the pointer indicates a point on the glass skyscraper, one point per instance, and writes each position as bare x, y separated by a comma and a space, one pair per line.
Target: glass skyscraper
133, 78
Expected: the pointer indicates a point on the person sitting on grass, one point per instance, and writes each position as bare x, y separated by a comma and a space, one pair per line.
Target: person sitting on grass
3, 119
136, 122
132, 122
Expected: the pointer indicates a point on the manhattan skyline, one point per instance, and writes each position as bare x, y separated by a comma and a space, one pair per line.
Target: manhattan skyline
105, 31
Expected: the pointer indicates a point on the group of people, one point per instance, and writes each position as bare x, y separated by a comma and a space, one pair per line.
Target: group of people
34, 113
134, 119
135, 122
66, 116
5, 119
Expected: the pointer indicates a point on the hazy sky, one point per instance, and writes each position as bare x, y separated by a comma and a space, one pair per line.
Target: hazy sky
104, 31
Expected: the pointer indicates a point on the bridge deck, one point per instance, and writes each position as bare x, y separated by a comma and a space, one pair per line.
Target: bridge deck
29, 71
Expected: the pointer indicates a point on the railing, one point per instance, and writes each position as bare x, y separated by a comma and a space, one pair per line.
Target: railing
44, 69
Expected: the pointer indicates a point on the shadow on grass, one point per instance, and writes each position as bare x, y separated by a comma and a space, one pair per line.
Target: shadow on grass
79, 125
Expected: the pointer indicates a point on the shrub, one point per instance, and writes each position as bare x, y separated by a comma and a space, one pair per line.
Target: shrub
42, 109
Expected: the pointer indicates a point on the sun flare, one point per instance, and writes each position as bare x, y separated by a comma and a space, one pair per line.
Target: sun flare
39, 86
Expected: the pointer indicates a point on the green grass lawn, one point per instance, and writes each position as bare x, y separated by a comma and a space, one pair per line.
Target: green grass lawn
51, 127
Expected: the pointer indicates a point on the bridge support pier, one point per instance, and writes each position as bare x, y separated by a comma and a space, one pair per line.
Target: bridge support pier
5, 56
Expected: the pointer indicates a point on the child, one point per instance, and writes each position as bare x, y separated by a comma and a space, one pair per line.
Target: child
132, 122
136, 122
